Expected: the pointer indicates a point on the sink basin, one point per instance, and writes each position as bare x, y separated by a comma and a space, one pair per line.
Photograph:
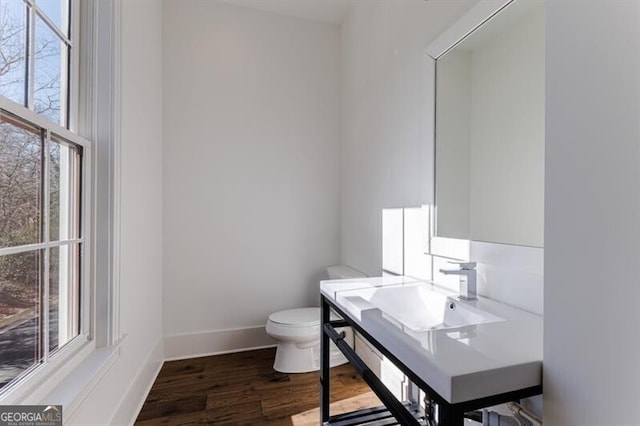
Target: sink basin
417, 307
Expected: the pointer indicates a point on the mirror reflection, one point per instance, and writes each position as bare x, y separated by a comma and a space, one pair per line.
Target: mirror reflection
490, 131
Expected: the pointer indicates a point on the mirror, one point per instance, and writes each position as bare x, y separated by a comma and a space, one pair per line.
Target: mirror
489, 183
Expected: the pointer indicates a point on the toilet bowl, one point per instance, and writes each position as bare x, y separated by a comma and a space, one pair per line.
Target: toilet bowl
297, 332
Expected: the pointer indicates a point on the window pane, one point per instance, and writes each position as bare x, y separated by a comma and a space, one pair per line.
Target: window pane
64, 190
19, 319
64, 295
20, 169
13, 47
57, 11
50, 65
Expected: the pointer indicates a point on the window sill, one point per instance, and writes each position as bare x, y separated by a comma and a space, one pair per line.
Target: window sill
70, 383
71, 390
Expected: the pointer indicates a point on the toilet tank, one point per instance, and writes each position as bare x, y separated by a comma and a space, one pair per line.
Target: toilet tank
338, 272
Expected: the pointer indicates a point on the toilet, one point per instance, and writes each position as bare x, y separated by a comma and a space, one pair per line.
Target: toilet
297, 332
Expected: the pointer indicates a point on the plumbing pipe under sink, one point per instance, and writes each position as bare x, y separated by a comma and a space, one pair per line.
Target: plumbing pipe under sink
518, 410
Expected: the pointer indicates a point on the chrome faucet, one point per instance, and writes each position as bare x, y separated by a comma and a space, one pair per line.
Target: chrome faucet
467, 272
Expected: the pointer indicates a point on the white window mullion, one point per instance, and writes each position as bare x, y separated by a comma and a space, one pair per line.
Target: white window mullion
46, 200
6, 251
64, 243
43, 16
31, 47
64, 85
65, 254
85, 201
74, 66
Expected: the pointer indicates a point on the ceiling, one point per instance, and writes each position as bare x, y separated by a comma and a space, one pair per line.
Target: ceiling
327, 11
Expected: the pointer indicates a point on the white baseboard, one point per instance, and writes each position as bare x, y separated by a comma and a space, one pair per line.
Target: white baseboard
192, 345
134, 398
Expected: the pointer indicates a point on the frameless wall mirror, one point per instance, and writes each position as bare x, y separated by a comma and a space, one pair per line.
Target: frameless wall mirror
489, 183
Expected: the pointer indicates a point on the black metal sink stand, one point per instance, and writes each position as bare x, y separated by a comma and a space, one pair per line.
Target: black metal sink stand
394, 412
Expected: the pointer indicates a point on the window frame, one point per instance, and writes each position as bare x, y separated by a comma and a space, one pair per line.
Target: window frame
74, 369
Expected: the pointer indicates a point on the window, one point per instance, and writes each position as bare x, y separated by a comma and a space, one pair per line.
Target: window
44, 172
36, 52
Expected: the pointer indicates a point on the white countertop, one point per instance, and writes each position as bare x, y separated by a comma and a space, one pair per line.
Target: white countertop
460, 364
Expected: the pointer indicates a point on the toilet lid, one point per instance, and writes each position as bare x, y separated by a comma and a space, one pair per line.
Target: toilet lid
297, 317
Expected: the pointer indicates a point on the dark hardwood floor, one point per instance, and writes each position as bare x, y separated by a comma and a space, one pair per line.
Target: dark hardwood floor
243, 389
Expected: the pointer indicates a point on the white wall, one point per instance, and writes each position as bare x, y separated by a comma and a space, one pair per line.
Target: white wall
251, 201
124, 387
592, 213
387, 133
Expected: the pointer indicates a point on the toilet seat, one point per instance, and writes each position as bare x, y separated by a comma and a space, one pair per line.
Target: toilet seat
302, 317
280, 331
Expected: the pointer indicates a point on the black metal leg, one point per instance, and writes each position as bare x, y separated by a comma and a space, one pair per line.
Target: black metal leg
450, 416
324, 366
